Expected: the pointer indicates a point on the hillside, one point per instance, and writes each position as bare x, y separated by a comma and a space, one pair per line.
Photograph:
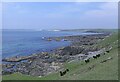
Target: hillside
96, 69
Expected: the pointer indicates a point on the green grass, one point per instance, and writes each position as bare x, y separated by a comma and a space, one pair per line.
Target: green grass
107, 41
104, 71
79, 70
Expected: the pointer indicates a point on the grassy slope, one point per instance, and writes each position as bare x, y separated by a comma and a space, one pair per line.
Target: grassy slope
80, 70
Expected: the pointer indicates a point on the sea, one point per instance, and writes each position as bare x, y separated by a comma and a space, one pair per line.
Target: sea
28, 42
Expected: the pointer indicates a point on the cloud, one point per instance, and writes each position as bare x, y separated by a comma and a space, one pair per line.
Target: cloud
105, 17
66, 15
107, 9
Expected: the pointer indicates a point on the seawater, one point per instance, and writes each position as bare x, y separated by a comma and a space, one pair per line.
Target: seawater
21, 43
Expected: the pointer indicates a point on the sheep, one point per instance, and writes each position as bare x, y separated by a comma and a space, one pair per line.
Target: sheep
67, 70
98, 55
107, 51
64, 72
95, 57
61, 74
87, 60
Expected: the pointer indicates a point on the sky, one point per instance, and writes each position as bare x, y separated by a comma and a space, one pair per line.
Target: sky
59, 15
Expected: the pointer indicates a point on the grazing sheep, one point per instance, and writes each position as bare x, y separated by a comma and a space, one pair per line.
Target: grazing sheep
64, 72
95, 57
61, 74
108, 51
98, 55
67, 69
87, 60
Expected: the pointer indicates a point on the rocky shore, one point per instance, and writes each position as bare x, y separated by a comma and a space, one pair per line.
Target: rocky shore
44, 63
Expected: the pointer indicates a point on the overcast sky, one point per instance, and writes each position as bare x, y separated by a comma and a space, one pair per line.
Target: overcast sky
59, 15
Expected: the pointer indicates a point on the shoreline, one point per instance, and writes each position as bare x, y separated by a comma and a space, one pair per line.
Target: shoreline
53, 61
61, 38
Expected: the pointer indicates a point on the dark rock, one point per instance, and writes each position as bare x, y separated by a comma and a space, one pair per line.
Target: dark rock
7, 71
36, 72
